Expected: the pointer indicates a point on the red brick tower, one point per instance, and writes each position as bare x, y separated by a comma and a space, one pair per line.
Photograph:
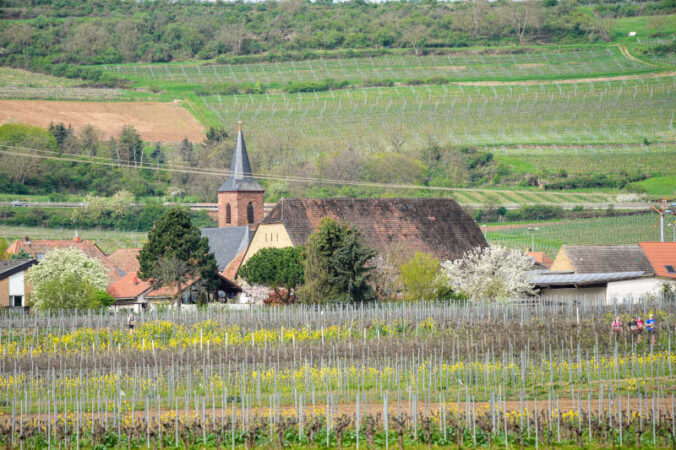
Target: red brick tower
240, 198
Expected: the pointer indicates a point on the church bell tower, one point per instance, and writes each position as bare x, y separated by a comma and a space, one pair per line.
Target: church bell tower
240, 198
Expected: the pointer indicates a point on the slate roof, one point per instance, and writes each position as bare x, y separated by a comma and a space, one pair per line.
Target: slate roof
607, 258
8, 268
583, 279
90, 249
436, 226
226, 243
662, 257
126, 259
240, 178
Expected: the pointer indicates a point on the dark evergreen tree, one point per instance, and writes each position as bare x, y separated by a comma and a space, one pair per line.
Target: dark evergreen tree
353, 270
175, 253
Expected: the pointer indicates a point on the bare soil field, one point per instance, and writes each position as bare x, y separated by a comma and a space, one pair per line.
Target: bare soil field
163, 122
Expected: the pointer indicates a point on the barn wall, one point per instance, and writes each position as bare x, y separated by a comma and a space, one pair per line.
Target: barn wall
268, 235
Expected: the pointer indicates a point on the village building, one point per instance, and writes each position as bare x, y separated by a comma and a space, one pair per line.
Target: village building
608, 274
14, 287
601, 259
39, 248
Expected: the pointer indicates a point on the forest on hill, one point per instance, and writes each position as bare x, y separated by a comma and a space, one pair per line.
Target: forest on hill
47, 36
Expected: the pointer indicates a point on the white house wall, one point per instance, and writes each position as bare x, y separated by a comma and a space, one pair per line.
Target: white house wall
629, 291
585, 295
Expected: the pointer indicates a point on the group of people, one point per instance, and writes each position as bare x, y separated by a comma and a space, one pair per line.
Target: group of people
636, 327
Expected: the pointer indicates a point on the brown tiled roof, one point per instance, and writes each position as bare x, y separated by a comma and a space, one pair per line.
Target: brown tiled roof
170, 291
607, 258
662, 257
125, 259
230, 271
44, 246
541, 258
129, 286
436, 226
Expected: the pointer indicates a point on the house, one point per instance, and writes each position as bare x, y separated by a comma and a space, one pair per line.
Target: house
590, 288
601, 259
191, 291
39, 248
125, 259
14, 288
436, 226
662, 258
129, 292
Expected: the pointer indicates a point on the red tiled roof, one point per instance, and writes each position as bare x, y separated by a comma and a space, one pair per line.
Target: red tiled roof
541, 258
230, 271
661, 255
44, 246
125, 259
129, 286
170, 291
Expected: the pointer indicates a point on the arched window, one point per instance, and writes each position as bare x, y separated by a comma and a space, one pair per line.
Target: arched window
250, 213
228, 214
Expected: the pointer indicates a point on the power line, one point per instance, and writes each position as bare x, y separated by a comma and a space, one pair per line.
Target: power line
99, 160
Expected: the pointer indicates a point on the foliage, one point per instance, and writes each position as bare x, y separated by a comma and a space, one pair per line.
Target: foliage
67, 279
352, 263
176, 253
275, 267
420, 276
96, 207
336, 265
22, 254
490, 274
4, 245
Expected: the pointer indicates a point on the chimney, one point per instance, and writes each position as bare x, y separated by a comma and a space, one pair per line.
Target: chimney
135, 279
27, 240
77, 238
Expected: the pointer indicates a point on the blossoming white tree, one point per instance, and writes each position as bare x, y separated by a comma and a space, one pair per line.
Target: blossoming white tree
67, 279
490, 273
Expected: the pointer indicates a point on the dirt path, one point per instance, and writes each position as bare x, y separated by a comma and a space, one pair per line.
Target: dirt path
625, 52
669, 73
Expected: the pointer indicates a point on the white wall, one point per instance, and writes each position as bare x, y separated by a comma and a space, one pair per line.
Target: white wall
633, 290
16, 284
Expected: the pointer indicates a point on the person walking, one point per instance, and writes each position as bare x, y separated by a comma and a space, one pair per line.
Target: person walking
131, 321
617, 325
650, 327
639, 328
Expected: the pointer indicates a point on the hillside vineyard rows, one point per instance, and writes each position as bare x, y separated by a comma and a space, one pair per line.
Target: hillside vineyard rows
423, 373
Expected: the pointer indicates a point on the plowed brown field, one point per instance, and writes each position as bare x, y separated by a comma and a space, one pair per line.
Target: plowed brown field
163, 122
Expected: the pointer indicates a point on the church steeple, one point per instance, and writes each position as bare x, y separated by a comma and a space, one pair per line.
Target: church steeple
240, 198
240, 178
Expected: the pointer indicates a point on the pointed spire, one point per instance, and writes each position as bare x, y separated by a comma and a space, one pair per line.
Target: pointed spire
240, 178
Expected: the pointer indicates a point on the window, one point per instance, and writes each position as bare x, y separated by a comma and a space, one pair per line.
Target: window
250, 213
670, 269
228, 213
16, 301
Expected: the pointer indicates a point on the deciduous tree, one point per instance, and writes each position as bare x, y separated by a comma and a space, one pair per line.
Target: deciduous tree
276, 268
67, 279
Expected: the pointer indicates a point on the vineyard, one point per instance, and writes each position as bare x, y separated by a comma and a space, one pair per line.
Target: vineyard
604, 230
533, 63
399, 375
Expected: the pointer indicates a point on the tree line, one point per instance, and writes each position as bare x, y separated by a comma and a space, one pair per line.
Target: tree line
47, 35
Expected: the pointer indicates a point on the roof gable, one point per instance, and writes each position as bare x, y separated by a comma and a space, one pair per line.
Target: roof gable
9, 268
439, 227
126, 259
607, 258
129, 286
662, 257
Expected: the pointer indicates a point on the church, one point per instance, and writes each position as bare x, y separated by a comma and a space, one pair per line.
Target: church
438, 226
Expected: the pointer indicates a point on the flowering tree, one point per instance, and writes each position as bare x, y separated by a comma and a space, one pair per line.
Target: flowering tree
490, 273
67, 279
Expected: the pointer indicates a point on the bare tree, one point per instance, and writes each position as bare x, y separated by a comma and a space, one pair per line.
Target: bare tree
233, 37
416, 35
